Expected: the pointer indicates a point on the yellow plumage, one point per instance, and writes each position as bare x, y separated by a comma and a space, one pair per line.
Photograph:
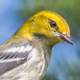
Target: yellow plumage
29, 49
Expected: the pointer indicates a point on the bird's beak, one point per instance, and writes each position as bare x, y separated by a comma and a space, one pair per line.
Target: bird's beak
66, 38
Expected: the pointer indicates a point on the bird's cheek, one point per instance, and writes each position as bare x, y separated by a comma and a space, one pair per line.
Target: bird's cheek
54, 40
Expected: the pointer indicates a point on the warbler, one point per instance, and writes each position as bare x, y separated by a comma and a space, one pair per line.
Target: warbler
26, 55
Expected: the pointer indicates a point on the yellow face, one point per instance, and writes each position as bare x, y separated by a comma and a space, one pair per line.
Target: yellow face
52, 25
52, 21
48, 24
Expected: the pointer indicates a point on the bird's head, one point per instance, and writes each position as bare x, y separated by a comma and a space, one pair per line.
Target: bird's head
46, 25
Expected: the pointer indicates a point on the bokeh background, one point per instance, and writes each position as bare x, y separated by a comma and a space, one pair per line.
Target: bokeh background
65, 59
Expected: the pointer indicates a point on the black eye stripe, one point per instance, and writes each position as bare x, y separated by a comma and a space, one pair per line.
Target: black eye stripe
52, 23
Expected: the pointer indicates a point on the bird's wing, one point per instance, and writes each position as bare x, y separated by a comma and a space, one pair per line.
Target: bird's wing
21, 61
13, 55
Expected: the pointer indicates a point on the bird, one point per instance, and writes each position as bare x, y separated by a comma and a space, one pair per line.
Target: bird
26, 54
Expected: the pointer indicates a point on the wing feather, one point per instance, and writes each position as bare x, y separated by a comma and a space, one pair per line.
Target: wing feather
12, 56
22, 61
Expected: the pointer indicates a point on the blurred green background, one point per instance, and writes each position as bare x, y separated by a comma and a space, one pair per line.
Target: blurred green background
65, 61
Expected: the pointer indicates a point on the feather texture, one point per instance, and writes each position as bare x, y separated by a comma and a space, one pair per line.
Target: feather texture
22, 61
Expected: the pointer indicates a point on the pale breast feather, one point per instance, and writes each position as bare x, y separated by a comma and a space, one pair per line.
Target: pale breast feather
21, 61
13, 55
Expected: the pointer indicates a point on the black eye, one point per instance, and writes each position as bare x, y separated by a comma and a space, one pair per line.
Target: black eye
52, 23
